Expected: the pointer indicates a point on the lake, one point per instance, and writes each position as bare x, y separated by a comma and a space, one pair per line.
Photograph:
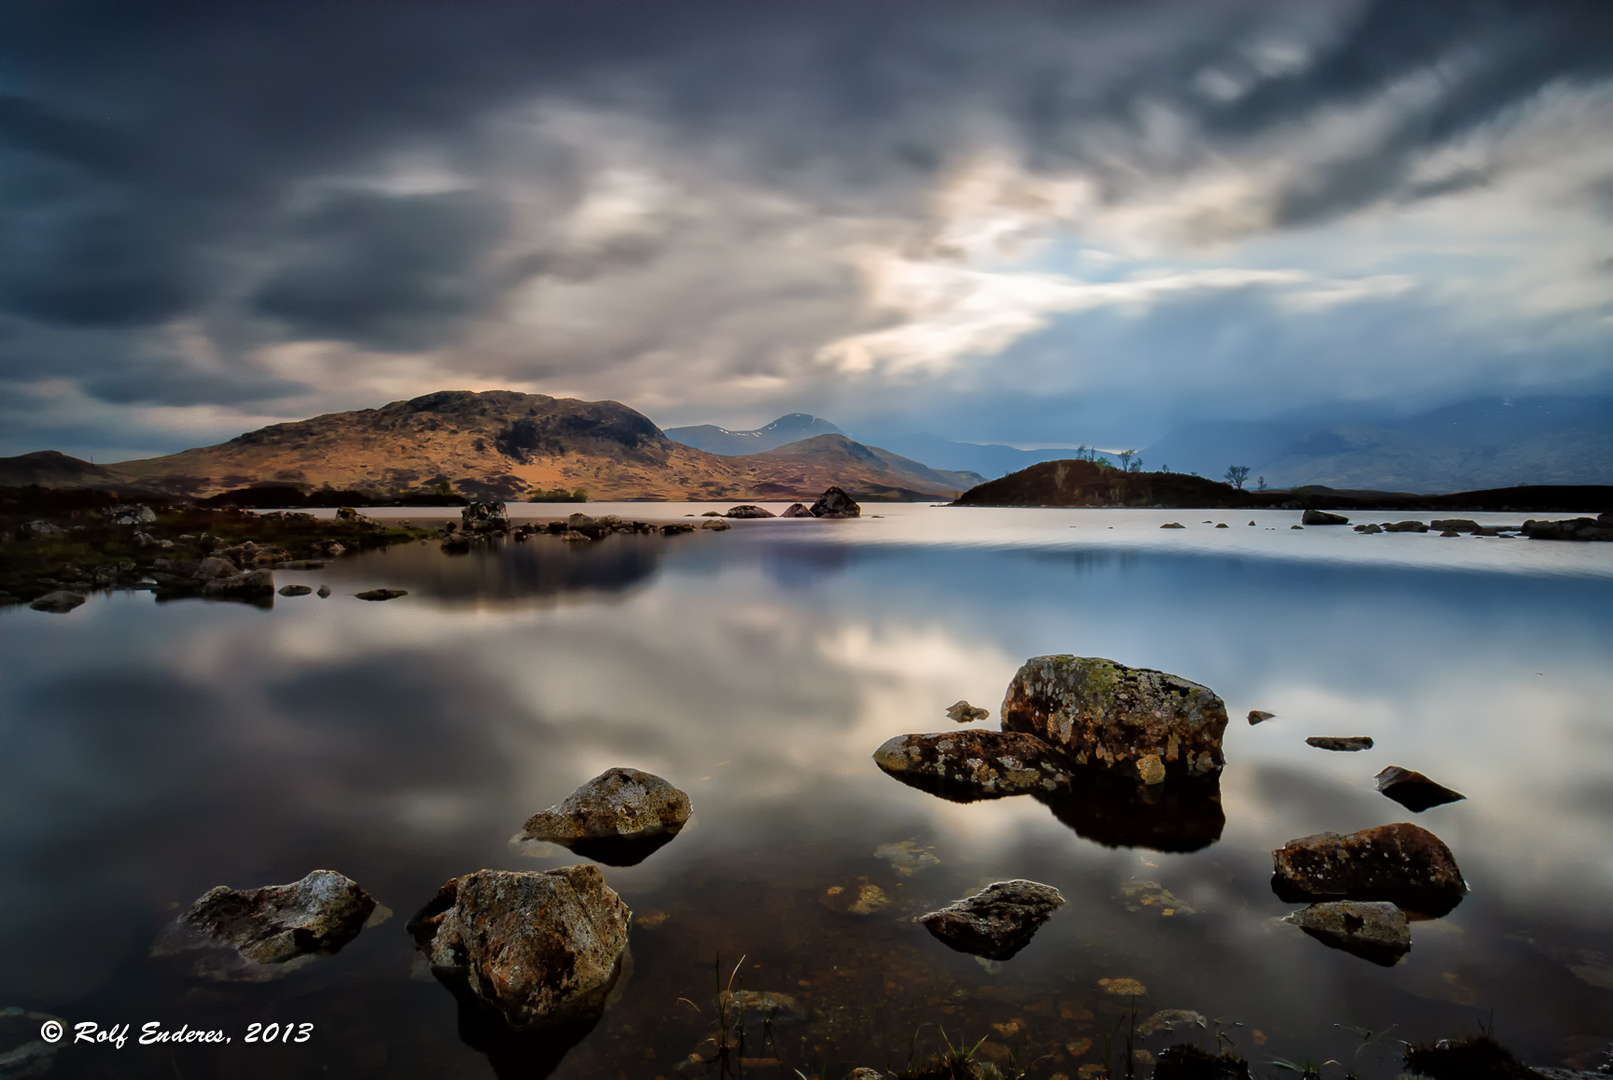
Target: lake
152, 751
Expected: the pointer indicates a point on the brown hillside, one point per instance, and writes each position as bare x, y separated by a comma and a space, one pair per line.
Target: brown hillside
505, 444
1087, 483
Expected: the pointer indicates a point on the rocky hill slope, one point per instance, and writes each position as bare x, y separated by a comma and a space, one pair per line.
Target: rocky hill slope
508, 445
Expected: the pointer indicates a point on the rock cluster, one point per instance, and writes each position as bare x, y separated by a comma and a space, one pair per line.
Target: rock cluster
1583, 528
540, 949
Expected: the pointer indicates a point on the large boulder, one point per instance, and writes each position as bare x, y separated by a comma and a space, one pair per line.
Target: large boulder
1377, 931
539, 949
996, 922
1322, 517
253, 935
58, 602
796, 510
619, 817
1096, 711
1404, 864
748, 511
835, 503
253, 585
485, 517
974, 764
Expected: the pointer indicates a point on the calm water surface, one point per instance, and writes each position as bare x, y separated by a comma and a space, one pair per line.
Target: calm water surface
151, 751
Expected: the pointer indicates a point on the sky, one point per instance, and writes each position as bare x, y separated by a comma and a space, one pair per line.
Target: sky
1000, 222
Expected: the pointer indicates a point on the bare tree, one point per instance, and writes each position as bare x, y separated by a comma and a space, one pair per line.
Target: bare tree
1125, 457
1236, 475
1260, 483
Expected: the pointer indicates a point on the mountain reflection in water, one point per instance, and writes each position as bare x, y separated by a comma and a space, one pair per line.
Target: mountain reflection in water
154, 751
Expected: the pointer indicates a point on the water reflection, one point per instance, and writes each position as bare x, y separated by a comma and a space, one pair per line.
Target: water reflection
1182, 814
153, 752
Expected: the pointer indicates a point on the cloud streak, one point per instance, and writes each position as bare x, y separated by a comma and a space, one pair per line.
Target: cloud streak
722, 211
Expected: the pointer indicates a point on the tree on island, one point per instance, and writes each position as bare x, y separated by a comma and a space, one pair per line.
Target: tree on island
1125, 459
1236, 475
1260, 484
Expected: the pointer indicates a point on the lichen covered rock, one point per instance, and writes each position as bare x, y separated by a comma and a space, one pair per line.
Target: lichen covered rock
537, 948
1403, 864
984, 763
1096, 711
485, 517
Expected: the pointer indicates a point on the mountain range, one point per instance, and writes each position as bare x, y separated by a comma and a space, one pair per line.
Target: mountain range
1481, 443
502, 444
792, 427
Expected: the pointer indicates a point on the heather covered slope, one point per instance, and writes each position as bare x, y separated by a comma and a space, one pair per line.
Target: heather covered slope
504, 444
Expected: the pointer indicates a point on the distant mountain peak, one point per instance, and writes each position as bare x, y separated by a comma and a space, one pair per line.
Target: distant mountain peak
789, 428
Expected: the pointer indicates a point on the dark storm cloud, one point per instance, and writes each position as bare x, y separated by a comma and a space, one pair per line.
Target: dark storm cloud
388, 272
187, 160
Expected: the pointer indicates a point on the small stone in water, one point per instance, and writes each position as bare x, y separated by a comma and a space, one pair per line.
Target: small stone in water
382, 594
1123, 987
1347, 743
860, 898
1413, 790
965, 713
1259, 716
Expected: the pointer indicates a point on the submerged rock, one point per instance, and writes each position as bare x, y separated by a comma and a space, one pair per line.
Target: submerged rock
1376, 931
619, 817
748, 511
23, 1050
382, 594
1173, 525
1185, 1061
1369, 528
862, 897
1170, 1020
1456, 525
796, 510
835, 503
537, 948
1322, 517
295, 590
1413, 790
485, 517
996, 922
965, 713
253, 935
1259, 716
966, 765
1405, 526
1101, 712
1347, 743
1403, 864
715, 525
906, 857
58, 602
323, 592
